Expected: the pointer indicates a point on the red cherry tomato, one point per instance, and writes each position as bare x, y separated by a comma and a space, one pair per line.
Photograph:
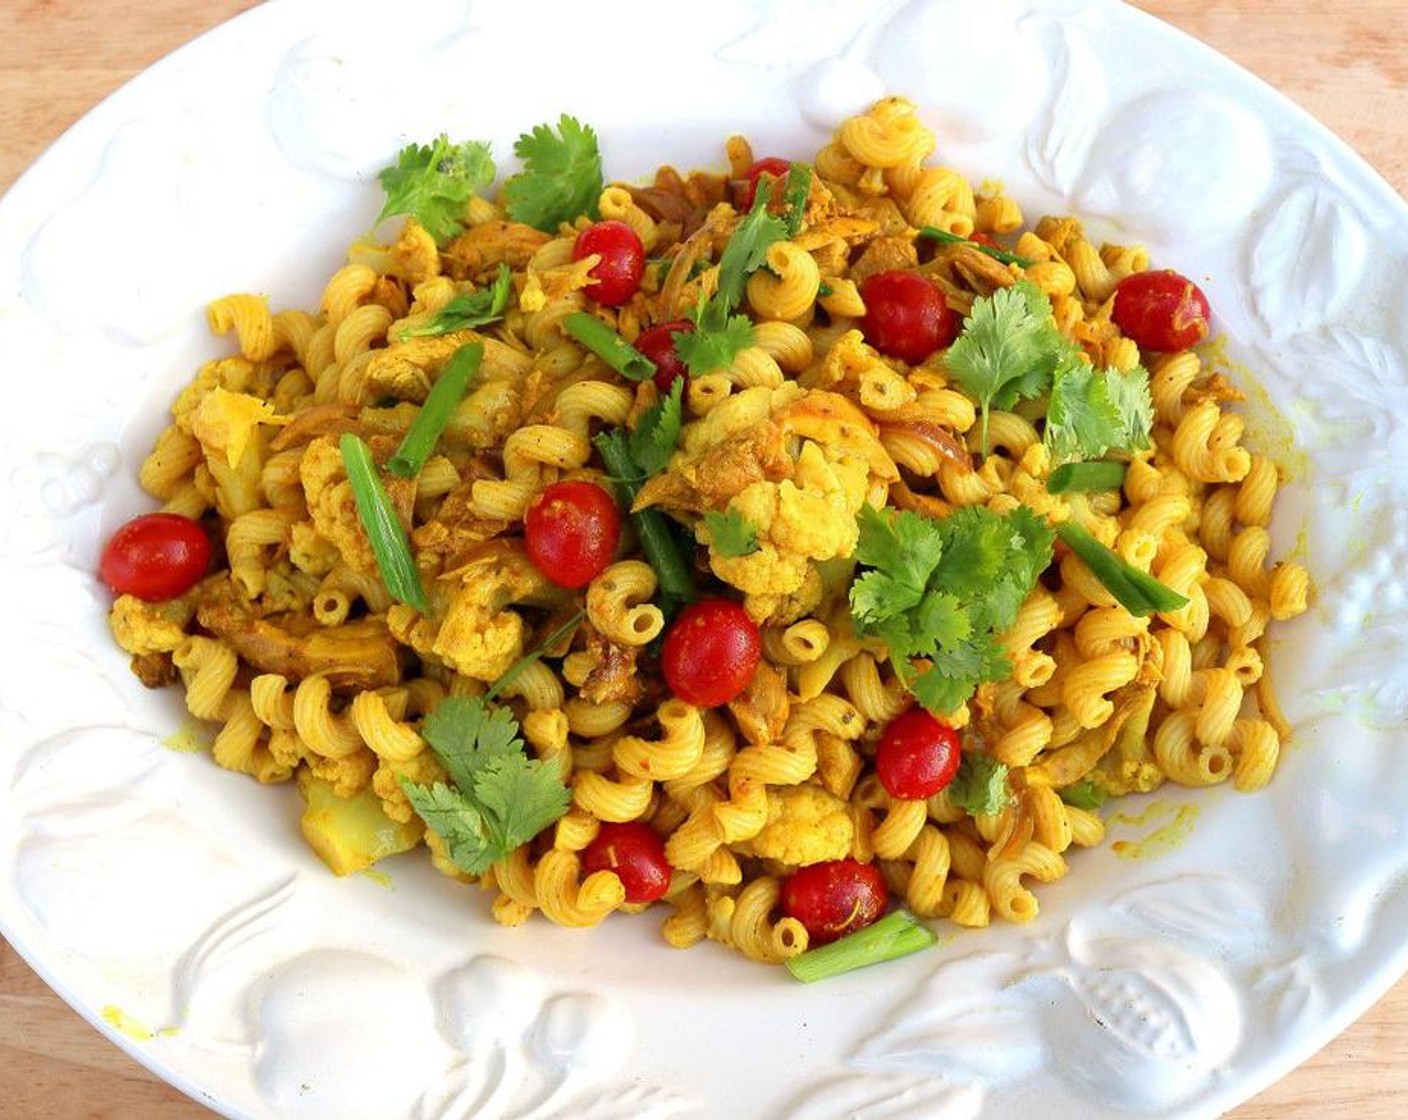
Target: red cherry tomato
711, 653
622, 262
980, 238
156, 557
905, 316
658, 344
1161, 310
636, 853
771, 165
917, 755
571, 531
835, 898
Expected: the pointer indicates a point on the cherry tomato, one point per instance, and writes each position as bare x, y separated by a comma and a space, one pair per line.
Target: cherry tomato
711, 653
658, 344
571, 531
835, 898
636, 853
1161, 310
622, 261
771, 165
980, 238
156, 557
905, 316
917, 755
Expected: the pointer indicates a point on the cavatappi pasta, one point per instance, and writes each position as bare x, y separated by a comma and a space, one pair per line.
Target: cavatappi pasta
312, 672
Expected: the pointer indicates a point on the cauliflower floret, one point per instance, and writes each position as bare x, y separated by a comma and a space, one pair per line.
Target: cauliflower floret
422, 770
141, 628
809, 517
806, 824
331, 505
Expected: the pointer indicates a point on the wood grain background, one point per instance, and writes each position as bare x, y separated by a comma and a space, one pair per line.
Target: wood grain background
1346, 62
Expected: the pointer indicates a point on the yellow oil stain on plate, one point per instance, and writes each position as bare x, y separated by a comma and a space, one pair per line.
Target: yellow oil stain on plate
1169, 826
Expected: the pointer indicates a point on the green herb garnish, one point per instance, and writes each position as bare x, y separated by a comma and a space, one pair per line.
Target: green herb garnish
1138, 592
935, 234
897, 934
474, 309
1072, 477
945, 590
1085, 794
609, 346
561, 177
1095, 411
731, 534
445, 396
432, 183
384, 530
499, 797
980, 786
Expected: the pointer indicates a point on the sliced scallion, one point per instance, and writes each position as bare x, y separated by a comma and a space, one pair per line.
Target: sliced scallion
897, 934
445, 396
656, 540
1138, 592
1070, 477
388, 537
609, 346
935, 234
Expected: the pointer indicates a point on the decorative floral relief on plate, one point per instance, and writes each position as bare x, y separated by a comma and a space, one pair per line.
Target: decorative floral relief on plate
1178, 992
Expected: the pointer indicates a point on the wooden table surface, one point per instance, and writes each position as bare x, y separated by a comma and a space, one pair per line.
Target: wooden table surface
1346, 62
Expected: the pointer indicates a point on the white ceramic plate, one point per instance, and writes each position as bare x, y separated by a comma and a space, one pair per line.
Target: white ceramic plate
174, 905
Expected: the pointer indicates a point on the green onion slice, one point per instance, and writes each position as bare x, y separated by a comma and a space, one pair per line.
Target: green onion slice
514, 671
935, 234
897, 934
1138, 592
1070, 477
609, 346
445, 396
388, 537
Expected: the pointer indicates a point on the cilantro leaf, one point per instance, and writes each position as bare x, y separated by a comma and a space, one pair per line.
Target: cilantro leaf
432, 183
1085, 794
561, 177
657, 431
1094, 411
944, 590
799, 186
731, 534
500, 799
717, 339
747, 248
980, 786
1008, 349
474, 309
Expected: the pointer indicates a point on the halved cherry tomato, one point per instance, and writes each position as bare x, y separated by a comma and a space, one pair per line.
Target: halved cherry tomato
835, 898
917, 755
769, 165
711, 653
636, 853
571, 531
156, 557
1161, 310
658, 344
622, 263
905, 315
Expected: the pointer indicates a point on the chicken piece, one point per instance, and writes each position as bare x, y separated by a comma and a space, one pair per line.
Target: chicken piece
975, 270
839, 426
613, 676
356, 655
883, 254
477, 634
761, 710
806, 824
757, 454
477, 253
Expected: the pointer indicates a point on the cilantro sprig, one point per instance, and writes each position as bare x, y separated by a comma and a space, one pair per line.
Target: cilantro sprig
980, 786
731, 534
1092, 412
943, 590
474, 309
498, 798
1085, 794
432, 182
561, 176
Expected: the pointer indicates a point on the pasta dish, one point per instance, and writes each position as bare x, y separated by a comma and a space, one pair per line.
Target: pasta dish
800, 553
